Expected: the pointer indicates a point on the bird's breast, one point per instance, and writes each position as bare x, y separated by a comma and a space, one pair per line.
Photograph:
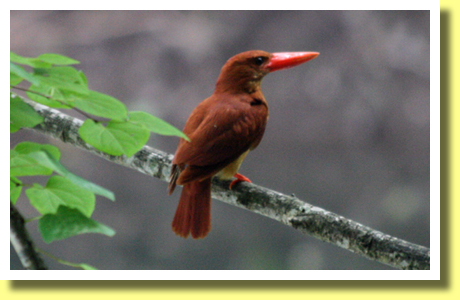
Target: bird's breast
231, 169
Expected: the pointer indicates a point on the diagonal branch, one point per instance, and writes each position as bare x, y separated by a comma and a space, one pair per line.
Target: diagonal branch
308, 219
22, 243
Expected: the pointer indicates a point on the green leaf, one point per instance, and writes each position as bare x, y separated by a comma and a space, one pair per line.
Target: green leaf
15, 79
15, 189
57, 59
29, 61
22, 164
29, 158
155, 124
45, 60
68, 263
20, 72
14, 127
22, 115
61, 191
117, 138
63, 78
19, 59
102, 105
83, 77
85, 267
69, 222
35, 93
46, 160
82, 266
29, 147
25, 165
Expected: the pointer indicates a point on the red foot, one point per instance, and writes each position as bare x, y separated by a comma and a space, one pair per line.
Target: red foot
239, 178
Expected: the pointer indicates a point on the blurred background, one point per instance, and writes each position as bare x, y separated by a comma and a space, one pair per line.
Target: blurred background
348, 131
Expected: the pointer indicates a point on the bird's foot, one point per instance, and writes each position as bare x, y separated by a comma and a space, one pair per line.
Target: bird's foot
239, 178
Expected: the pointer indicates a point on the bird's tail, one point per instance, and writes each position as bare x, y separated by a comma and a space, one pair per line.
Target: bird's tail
193, 214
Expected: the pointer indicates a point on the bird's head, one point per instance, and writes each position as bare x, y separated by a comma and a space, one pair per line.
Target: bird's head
244, 72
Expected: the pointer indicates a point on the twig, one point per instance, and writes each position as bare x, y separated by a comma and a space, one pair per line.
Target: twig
22, 243
289, 210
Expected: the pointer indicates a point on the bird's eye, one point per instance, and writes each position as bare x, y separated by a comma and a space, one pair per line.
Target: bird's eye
259, 60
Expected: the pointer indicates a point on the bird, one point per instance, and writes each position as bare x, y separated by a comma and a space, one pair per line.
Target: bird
222, 129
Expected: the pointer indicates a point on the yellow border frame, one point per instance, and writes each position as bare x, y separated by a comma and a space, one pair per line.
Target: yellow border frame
446, 288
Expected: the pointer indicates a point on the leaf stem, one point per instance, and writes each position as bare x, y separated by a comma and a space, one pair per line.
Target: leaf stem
62, 261
32, 219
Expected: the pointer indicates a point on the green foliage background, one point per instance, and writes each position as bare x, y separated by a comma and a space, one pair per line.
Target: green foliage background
66, 203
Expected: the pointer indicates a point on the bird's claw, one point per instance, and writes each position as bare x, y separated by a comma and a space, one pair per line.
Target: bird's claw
239, 178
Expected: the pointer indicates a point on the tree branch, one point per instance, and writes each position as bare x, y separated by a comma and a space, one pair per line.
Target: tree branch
22, 243
289, 210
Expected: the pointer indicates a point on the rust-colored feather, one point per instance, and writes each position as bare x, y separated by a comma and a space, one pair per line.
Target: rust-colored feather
193, 214
228, 130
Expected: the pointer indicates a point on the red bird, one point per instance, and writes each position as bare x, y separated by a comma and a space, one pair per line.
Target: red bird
222, 130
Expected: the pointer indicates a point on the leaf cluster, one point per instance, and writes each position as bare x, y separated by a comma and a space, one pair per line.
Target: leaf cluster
56, 84
67, 201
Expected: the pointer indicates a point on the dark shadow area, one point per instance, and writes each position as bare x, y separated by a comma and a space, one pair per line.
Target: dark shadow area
445, 147
216, 285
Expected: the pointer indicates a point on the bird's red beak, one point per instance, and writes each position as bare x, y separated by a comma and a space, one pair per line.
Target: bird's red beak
284, 60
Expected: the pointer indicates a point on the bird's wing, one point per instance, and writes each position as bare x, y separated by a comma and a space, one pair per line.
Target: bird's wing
227, 130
